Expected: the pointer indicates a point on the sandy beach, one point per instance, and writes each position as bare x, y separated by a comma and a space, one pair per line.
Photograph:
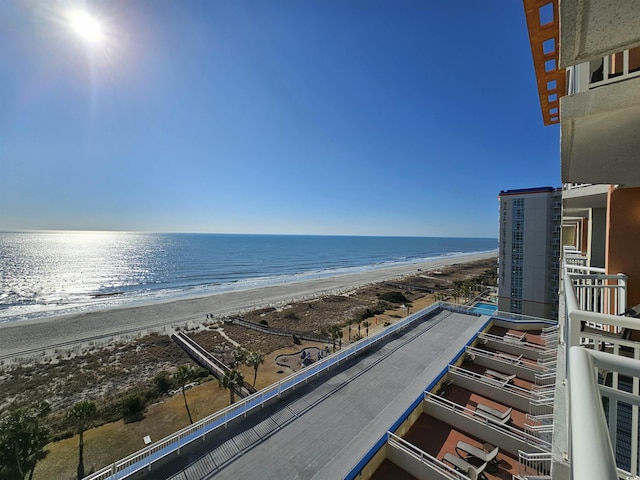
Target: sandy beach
29, 338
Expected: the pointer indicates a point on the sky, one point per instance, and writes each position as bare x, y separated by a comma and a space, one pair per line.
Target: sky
337, 117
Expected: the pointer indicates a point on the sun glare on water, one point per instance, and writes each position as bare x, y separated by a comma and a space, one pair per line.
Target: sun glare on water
86, 26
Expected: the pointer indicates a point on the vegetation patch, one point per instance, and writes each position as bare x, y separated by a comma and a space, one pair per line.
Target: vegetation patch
394, 297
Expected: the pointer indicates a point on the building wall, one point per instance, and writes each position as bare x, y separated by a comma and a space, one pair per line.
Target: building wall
529, 252
623, 234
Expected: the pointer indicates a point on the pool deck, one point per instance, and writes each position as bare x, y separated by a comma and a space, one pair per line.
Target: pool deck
327, 426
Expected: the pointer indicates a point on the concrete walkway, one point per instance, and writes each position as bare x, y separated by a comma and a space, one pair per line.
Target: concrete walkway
325, 428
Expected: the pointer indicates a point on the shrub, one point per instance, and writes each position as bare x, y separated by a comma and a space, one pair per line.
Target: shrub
394, 297
264, 322
163, 382
133, 407
364, 315
291, 316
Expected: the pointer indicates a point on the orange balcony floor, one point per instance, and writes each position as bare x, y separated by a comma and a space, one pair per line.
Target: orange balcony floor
436, 438
470, 400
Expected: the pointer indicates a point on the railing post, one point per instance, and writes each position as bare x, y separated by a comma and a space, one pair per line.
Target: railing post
591, 451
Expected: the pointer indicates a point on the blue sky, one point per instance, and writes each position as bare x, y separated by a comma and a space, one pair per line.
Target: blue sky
363, 117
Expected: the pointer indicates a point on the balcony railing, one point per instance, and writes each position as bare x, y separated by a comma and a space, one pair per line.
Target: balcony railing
576, 259
530, 434
572, 186
613, 68
414, 453
592, 439
597, 349
597, 292
534, 466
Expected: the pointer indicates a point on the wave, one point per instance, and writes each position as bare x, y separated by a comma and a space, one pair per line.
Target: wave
149, 293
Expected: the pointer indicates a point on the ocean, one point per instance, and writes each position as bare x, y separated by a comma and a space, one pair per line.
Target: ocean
53, 273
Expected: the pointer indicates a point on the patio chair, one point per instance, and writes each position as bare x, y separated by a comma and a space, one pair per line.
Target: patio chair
514, 337
494, 415
512, 359
487, 457
500, 376
471, 471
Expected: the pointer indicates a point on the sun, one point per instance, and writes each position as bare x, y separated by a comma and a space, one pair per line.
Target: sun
86, 26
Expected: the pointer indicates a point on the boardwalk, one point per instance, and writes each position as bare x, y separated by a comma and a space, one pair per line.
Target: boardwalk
324, 429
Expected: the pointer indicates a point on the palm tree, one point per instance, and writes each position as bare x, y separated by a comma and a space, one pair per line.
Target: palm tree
231, 380
349, 323
456, 294
239, 356
182, 375
82, 414
366, 325
254, 360
340, 335
333, 333
22, 439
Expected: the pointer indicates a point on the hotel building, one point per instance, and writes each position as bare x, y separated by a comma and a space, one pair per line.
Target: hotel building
529, 252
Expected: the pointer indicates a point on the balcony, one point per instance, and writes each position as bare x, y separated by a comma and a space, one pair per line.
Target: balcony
490, 416
602, 365
591, 29
584, 195
600, 120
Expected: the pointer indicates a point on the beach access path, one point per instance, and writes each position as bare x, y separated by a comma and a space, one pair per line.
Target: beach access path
322, 430
30, 338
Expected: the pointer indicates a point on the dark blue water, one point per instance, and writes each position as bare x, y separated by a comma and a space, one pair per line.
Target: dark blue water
48, 273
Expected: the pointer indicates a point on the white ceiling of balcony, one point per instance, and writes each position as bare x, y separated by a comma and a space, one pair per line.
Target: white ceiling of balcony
590, 196
594, 28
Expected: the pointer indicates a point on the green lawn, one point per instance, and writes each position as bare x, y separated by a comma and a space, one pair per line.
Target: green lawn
110, 442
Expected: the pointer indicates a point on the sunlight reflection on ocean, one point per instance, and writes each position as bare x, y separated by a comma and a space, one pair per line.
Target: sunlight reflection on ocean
47, 273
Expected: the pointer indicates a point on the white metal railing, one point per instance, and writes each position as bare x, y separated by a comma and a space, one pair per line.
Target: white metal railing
533, 347
513, 389
576, 259
504, 359
593, 328
598, 292
592, 445
572, 186
424, 457
519, 318
541, 406
548, 365
584, 269
589, 326
543, 431
173, 443
607, 70
543, 419
529, 437
549, 337
534, 466
545, 380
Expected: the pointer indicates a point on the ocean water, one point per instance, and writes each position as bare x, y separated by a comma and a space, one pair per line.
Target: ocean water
53, 273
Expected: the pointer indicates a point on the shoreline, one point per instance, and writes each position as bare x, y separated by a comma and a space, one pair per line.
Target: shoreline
123, 300
33, 337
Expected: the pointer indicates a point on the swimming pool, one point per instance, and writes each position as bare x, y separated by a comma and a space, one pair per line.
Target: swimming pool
484, 308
